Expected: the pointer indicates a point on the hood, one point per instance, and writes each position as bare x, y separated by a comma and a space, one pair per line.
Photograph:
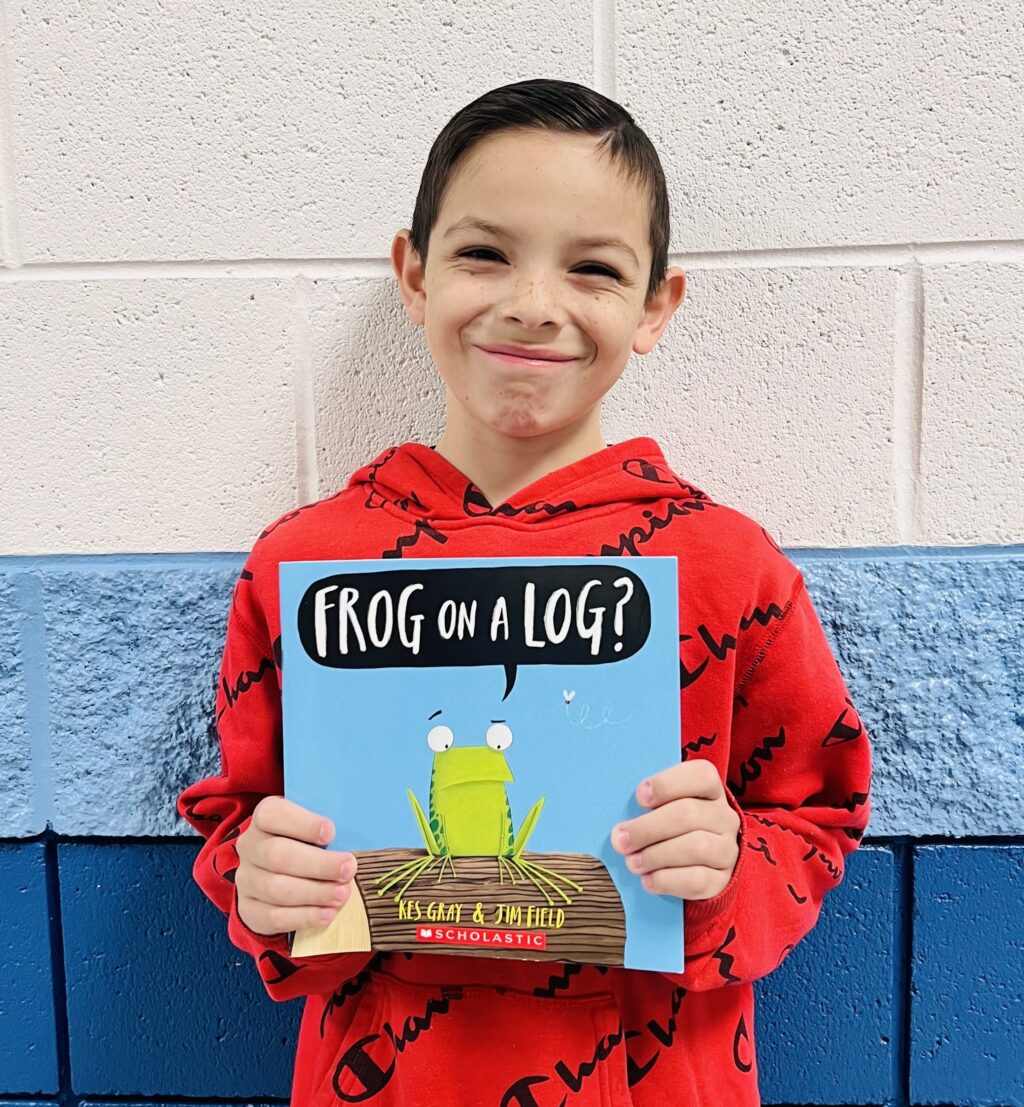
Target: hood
418, 481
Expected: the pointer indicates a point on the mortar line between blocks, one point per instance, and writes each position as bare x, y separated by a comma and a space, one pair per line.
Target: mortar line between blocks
902, 973
908, 398
306, 476
29, 590
62, 1027
233, 559
603, 77
10, 242
886, 255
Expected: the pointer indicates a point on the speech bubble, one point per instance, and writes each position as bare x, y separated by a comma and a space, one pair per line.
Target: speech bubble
509, 616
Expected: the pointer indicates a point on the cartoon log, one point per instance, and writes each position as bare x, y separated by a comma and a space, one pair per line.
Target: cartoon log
475, 894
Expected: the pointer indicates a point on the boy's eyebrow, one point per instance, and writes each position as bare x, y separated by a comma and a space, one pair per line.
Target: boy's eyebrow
434, 716
470, 222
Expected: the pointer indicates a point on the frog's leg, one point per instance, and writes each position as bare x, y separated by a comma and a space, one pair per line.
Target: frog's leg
412, 869
429, 837
446, 857
516, 843
538, 875
527, 828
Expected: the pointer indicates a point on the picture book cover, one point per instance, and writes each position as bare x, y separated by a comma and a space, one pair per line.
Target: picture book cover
475, 728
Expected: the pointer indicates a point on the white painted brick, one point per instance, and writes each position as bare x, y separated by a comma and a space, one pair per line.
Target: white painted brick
374, 381
151, 130
145, 415
972, 438
818, 121
772, 390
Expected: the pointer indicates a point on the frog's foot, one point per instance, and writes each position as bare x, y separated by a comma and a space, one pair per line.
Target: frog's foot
506, 866
539, 876
410, 869
446, 862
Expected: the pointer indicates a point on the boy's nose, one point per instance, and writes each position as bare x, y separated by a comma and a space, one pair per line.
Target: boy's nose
539, 322
533, 304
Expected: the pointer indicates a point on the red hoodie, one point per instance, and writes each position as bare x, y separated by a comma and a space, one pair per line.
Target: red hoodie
761, 697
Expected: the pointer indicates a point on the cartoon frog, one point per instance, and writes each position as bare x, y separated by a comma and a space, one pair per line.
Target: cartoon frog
470, 815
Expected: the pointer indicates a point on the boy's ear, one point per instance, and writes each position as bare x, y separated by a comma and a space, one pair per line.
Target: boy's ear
660, 310
409, 271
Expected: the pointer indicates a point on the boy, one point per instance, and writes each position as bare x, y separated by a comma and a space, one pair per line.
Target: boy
750, 828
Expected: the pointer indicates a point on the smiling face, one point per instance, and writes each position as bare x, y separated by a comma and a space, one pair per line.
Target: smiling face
533, 284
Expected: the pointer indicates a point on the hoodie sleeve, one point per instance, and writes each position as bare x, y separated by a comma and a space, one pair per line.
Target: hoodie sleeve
799, 777
248, 722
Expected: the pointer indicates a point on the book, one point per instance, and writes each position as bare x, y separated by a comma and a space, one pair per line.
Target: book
475, 728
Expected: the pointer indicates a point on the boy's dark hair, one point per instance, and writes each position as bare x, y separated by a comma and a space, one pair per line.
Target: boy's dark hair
545, 104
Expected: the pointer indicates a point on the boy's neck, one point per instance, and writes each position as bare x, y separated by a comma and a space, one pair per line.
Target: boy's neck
500, 466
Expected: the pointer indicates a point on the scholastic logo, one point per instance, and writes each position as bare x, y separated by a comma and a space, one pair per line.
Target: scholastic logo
478, 936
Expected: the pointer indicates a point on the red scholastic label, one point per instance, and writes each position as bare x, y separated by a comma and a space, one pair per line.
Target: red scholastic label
478, 936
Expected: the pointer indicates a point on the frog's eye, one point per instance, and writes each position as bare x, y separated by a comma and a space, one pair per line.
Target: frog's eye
440, 738
499, 736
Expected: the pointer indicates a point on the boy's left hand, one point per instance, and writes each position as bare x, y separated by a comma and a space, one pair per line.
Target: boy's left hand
688, 844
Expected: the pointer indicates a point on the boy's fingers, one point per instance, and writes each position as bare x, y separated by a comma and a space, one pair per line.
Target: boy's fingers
277, 815
284, 855
280, 890
693, 882
669, 821
687, 780
699, 847
266, 918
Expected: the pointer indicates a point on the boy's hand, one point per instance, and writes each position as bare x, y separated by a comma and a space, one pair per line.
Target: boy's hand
285, 880
688, 845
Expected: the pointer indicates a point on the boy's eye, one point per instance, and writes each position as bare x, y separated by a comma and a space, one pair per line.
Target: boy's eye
478, 250
602, 269
589, 265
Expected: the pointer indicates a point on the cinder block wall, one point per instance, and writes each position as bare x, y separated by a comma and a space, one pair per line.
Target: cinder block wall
201, 329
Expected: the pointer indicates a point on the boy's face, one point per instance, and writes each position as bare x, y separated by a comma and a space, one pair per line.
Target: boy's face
533, 286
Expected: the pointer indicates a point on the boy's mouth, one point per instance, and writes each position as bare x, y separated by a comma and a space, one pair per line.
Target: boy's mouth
515, 359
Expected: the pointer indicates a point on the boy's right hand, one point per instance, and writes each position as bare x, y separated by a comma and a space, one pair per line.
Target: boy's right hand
285, 880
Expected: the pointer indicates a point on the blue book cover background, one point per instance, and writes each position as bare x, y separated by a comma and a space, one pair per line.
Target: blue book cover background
580, 729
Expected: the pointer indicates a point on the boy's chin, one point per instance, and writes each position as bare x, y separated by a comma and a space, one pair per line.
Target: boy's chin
514, 421
525, 424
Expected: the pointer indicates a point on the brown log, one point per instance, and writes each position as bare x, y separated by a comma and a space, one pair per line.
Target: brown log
593, 929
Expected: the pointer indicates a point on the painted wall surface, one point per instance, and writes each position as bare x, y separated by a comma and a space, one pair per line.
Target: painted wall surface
201, 330
202, 326
927, 640
911, 984
916, 959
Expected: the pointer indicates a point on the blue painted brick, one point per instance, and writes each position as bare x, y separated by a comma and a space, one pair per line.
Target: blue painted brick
28, 1054
928, 644
930, 648
967, 1003
825, 1016
159, 1002
133, 656
17, 814
921, 639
